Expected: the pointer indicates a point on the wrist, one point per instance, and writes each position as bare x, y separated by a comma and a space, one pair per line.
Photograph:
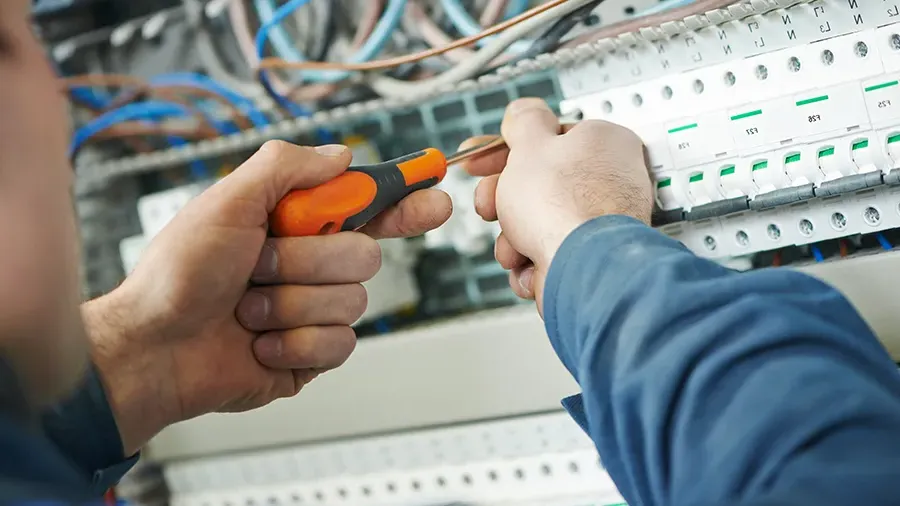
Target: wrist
125, 366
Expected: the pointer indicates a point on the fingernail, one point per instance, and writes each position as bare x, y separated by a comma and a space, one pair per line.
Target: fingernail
267, 348
267, 265
525, 280
253, 310
332, 150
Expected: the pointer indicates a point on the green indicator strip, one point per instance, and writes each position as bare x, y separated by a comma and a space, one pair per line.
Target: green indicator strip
746, 115
882, 86
893, 138
682, 128
664, 182
696, 177
861, 144
792, 158
812, 100
727, 170
826, 152
760, 165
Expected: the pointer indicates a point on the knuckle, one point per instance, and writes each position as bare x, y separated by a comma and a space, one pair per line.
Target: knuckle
525, 104
276, 148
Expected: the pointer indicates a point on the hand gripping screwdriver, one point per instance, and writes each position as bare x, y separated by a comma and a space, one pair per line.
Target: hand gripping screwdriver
354, 198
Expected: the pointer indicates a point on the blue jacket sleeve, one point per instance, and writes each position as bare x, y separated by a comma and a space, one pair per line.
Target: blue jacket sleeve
85, 431
702, 385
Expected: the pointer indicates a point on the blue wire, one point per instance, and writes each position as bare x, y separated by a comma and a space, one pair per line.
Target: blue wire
89, 97
271, 19
468, 26
380, 36
515, 8
382, 326
883, 241
373, 45
817, 253
152, 110
242, 103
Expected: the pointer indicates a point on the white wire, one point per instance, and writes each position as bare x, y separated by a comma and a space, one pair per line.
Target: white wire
396, 88
210, 58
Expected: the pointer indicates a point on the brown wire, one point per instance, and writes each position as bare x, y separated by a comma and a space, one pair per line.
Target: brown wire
387, 63
173, 93
140, 129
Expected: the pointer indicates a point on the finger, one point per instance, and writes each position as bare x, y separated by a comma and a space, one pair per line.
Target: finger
528, 121
323, 348
506, 255
521, 280
347, 257
279, 167
491, 162
418, 213
486, 198
290, 306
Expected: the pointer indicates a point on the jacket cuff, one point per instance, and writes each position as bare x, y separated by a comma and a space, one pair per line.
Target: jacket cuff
84, 429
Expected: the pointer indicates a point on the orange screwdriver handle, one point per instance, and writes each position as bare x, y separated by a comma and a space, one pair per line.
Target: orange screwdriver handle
352, 199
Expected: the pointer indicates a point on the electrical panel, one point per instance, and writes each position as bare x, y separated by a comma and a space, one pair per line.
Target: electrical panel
772, 129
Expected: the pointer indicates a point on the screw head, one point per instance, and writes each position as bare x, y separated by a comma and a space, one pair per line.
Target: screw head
806, 227
838, 221
872, 216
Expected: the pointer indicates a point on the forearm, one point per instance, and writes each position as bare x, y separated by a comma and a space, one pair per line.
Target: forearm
703, 384
130, 382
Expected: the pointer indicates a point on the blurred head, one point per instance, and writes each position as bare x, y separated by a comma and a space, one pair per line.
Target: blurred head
41, 334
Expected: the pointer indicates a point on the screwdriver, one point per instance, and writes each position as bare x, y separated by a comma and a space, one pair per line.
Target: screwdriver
354, 198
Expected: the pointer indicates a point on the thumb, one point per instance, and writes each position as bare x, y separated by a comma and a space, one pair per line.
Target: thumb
279, 167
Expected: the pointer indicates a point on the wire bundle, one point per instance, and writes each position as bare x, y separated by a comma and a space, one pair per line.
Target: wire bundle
292, 35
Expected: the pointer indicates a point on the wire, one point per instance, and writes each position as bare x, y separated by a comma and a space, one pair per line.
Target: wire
139, 88
883, 241
495, 10
653, 19
206, 50
389, 87
467, 26
552, 36
776, 259
373, 45
237, 15
146, 110
153, 111
842, 248
431, 33
817, 253
271, 19
387, 63
191, 80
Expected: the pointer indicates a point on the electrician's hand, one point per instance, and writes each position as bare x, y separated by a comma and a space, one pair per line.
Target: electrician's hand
547, 183
219, 317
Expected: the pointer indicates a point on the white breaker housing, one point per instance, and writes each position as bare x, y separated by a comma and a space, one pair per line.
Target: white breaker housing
774, 130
